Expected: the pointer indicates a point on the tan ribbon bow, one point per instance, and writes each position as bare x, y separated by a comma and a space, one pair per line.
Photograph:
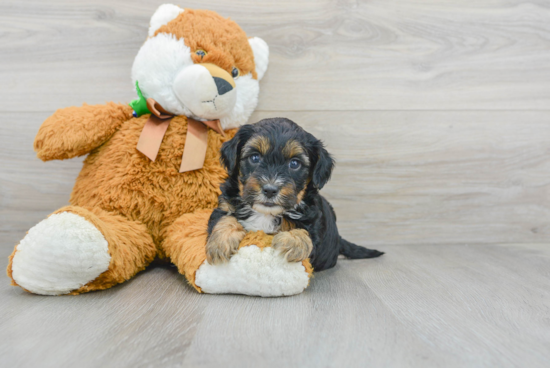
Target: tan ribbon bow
196, 141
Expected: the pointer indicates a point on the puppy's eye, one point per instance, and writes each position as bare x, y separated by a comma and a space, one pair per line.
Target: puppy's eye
254, 158
294, 164
201, 53
235, 73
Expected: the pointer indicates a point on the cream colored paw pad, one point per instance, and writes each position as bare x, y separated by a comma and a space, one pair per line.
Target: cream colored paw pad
253, 271
60, 254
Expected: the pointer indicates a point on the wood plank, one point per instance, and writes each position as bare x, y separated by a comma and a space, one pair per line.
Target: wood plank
325, 55
324, 326
493, 297
401, 177
150, 320
418, 305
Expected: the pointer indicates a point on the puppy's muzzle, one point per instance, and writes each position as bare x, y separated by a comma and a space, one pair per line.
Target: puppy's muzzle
270, 191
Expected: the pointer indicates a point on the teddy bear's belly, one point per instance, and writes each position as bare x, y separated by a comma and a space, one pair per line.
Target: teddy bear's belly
118, 178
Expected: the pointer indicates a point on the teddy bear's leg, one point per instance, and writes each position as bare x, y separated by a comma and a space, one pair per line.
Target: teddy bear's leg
185, 243
76, 250
256, 269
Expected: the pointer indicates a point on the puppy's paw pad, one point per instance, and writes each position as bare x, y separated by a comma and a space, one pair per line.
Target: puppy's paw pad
224, 241
295, 245
220, 253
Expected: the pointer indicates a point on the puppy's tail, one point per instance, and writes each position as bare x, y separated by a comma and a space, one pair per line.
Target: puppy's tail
354, 251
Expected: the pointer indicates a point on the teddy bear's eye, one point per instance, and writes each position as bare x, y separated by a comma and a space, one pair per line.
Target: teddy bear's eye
235, 73
201, 53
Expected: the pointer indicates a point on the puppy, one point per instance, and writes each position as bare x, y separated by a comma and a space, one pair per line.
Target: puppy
276, 170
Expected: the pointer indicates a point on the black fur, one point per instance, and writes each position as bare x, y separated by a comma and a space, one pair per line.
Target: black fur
231, 149
313, 213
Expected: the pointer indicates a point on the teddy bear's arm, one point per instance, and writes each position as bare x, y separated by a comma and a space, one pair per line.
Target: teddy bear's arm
75, 131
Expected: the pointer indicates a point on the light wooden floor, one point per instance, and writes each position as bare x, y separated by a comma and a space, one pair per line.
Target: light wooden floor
439, 116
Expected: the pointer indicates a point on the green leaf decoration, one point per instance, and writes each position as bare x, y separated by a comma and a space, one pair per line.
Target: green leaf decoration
140, 104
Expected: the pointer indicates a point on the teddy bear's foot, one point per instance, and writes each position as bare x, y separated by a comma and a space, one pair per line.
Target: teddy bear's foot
254, 271
60, 254
76, 250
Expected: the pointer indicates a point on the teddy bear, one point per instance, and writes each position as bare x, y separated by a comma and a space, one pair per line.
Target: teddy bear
152, 173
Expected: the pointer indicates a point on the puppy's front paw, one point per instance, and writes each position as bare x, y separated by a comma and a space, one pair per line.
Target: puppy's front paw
295, 244
224, 240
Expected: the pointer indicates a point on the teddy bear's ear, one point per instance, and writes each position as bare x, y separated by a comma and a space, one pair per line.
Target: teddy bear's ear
261, 55
164, 14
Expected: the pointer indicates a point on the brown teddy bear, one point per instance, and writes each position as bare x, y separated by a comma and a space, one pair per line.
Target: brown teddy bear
152, 175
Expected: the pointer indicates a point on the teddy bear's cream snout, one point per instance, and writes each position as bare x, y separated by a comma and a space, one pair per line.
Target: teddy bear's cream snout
207, 90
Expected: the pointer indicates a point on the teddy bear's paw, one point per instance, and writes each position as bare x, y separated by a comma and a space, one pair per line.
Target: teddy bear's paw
60, 254
295, 245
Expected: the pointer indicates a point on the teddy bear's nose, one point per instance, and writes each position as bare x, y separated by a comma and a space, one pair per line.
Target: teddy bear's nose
222, 85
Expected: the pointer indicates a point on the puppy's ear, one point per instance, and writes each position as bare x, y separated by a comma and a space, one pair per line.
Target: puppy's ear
231, 150
323, 166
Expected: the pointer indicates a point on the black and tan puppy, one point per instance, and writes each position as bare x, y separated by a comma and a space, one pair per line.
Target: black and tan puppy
276, 170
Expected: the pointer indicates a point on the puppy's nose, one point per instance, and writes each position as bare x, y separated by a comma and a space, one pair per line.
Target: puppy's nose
270, 190
222, 85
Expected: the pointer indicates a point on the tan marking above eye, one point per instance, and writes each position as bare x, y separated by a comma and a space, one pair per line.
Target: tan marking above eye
259, 143
293, 149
